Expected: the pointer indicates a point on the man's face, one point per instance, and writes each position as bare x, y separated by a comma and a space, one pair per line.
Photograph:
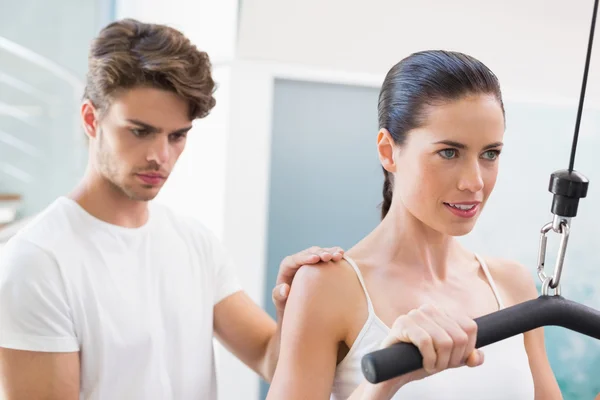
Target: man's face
138, 140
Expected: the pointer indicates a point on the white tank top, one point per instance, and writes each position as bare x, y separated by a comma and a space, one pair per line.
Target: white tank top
505, 373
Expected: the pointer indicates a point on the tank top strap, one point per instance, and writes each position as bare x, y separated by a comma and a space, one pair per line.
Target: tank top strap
361, 280
488, 275
481, 261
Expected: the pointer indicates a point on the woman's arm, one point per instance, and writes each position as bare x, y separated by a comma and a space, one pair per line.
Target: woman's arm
519, 285
322, 306
315, 322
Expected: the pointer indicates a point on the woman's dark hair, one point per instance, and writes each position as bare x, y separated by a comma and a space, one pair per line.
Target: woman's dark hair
425, 79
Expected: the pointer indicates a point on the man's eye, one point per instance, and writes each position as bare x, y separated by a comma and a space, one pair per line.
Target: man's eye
139, 132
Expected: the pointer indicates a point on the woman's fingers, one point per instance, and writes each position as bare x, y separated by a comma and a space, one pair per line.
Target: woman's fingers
445, 341
411, 329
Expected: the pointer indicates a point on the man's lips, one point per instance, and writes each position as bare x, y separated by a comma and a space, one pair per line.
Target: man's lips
152, 179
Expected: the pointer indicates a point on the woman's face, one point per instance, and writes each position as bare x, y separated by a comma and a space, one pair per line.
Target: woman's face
446, 169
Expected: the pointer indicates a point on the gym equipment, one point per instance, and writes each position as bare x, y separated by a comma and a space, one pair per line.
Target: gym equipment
568, 186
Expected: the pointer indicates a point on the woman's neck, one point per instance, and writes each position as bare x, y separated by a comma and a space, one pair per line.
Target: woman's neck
403, 241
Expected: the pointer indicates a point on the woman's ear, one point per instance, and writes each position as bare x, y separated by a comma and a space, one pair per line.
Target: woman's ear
89, 117
385, 148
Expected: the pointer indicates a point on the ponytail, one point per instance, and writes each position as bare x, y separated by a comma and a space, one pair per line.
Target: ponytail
388, 189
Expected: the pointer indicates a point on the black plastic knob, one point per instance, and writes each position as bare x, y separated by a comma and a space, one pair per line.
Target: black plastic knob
568, 187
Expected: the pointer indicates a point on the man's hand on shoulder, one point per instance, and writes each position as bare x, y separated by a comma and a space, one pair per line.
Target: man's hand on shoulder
292, 263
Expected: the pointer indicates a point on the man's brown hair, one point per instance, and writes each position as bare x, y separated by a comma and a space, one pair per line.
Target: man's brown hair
128, 54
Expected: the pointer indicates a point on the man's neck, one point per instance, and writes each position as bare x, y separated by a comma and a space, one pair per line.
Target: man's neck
104, 201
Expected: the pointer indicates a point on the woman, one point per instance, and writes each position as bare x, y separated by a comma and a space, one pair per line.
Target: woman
441, 119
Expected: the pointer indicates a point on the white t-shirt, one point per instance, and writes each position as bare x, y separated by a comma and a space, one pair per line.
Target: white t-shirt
138, 303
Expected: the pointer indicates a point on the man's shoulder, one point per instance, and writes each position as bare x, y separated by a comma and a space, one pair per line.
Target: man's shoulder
42, 239
53, 225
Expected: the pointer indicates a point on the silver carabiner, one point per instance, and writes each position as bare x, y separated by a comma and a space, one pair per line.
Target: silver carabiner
546, 285
561, 226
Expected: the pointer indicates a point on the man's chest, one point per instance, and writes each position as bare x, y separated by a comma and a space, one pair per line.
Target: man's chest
141, 302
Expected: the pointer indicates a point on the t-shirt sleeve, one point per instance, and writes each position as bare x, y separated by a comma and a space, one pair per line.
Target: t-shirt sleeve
226, 280
34, 310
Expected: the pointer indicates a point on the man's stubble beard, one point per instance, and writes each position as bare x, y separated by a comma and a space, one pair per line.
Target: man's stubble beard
109, 171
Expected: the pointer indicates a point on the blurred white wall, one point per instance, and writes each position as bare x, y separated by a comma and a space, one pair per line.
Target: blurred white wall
210, 24
536, 47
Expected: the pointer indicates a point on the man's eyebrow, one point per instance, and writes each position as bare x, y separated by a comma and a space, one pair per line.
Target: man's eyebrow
144, 125
182, 130
154, 129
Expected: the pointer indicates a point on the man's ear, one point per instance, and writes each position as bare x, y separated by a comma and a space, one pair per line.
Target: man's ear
385, 149
89, 118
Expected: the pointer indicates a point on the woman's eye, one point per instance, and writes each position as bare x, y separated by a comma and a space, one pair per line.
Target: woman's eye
448, 153
491, 154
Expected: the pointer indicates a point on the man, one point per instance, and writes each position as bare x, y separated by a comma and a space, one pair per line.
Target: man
108, 296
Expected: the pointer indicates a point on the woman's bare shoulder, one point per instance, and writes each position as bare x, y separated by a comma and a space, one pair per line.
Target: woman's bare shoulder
514, 278
330, 289
326, 280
